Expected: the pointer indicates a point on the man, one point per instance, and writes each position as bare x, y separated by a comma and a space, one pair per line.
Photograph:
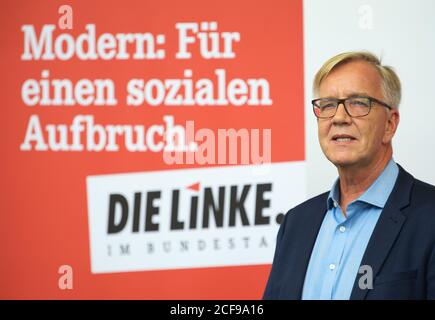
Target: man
373, 235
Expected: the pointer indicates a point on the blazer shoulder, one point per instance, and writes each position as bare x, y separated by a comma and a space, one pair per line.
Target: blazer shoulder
420, 192
424, 189
418, 203
423, 198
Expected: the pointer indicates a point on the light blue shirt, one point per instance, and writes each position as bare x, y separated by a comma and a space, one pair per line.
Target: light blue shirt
341, 241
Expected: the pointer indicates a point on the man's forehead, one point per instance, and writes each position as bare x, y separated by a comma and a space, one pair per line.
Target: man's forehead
352, 78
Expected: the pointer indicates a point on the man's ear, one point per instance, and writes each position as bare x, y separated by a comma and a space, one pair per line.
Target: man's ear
393, 119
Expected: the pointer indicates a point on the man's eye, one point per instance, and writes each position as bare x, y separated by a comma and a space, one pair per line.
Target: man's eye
327, 105
359, 103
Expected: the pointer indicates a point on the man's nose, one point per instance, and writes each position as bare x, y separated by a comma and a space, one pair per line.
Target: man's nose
341, 115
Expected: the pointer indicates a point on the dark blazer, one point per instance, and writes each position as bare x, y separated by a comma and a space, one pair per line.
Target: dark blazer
401, 250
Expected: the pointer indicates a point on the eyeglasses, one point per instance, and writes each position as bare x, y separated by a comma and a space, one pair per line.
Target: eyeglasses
357, 106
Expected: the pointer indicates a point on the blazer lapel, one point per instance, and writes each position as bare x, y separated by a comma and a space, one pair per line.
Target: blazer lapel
387, 229
304, 239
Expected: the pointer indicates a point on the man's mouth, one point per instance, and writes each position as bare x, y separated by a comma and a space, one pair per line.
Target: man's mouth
343, 138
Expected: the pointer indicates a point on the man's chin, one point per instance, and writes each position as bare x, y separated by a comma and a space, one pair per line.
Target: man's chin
342, 162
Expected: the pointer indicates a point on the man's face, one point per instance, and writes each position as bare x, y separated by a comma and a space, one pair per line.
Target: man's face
370, 135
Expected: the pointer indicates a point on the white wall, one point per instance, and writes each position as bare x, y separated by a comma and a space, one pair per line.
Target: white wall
403, 33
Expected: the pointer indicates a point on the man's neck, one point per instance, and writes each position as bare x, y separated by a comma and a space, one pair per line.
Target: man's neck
354, 181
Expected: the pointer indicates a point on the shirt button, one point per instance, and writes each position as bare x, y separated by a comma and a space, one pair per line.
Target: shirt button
332, 266
342, 229
335, 204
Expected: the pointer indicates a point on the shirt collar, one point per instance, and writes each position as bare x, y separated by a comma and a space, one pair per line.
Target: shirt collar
377, 194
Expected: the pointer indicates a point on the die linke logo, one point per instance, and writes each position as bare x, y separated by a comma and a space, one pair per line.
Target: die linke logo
213, 208
190, 218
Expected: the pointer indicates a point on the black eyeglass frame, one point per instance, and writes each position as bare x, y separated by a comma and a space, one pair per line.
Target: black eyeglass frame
343, 101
